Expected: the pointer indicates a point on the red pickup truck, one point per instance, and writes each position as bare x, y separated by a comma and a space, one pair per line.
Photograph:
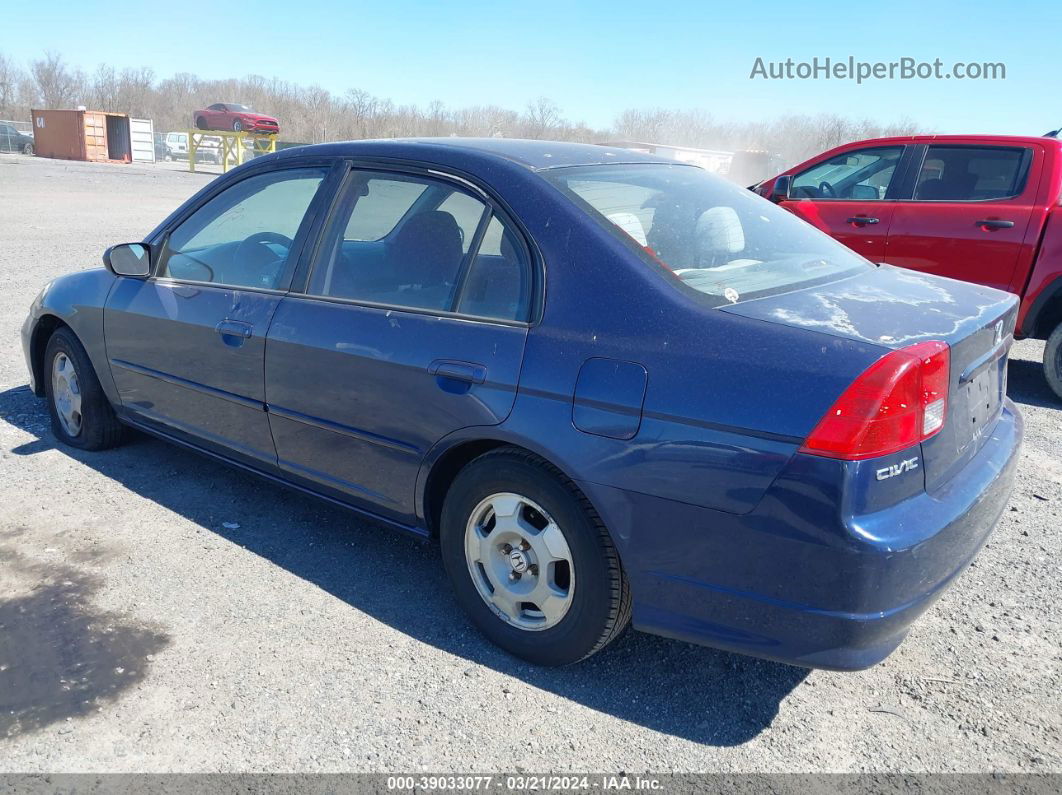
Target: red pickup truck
985, 209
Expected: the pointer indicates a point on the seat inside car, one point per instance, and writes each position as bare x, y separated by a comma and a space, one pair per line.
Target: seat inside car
426, 252
720, 239
418, 269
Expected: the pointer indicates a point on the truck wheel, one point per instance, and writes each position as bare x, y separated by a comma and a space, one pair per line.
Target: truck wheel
1053, 361
81, 415
530, 560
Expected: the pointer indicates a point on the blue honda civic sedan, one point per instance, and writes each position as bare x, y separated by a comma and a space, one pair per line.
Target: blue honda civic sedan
614, 388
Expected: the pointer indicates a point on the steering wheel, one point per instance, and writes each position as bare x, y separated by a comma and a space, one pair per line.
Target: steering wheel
826, 189
253, 256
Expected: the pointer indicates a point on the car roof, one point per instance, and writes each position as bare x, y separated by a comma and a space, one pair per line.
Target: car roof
964, 139
532, 154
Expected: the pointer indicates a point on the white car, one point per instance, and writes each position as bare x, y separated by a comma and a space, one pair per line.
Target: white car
177, 148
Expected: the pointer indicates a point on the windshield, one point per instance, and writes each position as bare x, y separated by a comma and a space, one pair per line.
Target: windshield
723, 241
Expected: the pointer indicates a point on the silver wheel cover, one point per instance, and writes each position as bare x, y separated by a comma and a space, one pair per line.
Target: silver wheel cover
66, 394
519, 561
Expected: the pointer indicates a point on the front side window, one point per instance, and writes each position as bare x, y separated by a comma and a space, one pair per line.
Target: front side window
712, 237
244, 235
967, 173
408, 241
863, 175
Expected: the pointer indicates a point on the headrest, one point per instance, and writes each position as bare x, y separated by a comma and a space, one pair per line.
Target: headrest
719, 235
427, 249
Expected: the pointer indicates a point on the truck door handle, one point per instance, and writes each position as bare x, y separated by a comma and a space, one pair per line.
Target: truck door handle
458, 371
229, 329
861, 220
993, 223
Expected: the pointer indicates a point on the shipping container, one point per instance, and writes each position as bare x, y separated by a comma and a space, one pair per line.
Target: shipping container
82, 135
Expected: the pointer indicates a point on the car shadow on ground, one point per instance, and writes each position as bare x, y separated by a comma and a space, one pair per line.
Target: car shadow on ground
1026, 384
675, 688
60, 656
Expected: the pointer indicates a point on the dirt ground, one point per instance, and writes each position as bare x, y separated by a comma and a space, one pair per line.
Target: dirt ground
161, 612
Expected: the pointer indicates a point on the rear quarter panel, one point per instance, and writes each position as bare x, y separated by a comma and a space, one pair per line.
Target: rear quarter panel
728, 399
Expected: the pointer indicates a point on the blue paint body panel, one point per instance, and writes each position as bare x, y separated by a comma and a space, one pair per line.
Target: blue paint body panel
682, 423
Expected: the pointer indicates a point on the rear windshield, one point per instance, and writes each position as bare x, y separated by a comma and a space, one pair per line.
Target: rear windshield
713, 237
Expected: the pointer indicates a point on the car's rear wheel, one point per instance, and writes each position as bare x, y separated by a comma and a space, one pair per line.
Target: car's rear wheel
81, 414
1053, 361
200, 123
530, 560
27, 149
237, 125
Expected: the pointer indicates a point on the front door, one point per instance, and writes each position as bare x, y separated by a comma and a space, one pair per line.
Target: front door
848, 197
970, 211
186, 346
412, 326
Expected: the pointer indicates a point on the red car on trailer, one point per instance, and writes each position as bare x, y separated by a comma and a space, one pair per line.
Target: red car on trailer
234, 117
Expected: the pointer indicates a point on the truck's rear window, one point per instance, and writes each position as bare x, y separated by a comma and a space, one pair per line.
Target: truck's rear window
723, 241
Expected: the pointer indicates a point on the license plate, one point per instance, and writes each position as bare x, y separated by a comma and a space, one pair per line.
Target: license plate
983, 396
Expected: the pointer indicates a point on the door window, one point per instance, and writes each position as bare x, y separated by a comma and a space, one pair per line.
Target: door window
412, 242
967, 173
245, 235
863, 175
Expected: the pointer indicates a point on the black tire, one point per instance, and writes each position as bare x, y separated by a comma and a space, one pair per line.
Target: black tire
100, 428
237, 125
1053, 361
27, 149
600, 607
200, 123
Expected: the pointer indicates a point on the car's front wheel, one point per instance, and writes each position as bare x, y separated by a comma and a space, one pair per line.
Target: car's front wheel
237, 125
1053, 361
530, 560
81, 414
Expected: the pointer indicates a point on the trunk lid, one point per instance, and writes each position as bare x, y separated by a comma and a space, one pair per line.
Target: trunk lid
893, 308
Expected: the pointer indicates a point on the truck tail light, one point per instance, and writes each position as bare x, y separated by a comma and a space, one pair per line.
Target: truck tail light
896, 403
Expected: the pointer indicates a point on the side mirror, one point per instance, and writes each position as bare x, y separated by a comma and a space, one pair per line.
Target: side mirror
780, 189
128, 259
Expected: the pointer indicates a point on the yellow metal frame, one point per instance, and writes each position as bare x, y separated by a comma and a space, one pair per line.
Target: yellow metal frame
234, 147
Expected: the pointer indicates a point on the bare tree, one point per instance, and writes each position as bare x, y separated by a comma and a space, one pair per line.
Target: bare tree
57, 86
10, 78
542, 117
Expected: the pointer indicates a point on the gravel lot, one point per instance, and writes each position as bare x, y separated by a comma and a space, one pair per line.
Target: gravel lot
160, 612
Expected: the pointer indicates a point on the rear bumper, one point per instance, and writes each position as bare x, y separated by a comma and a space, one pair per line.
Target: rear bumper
797, 580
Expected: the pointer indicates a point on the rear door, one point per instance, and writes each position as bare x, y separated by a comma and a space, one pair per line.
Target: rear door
186, 346
850, 196
411, 326
968, 214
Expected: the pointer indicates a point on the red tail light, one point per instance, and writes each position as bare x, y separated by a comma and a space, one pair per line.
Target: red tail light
899, 401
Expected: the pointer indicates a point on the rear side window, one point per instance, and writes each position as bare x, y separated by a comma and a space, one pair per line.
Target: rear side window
862, 175
714, 238
967, 173
420, 243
